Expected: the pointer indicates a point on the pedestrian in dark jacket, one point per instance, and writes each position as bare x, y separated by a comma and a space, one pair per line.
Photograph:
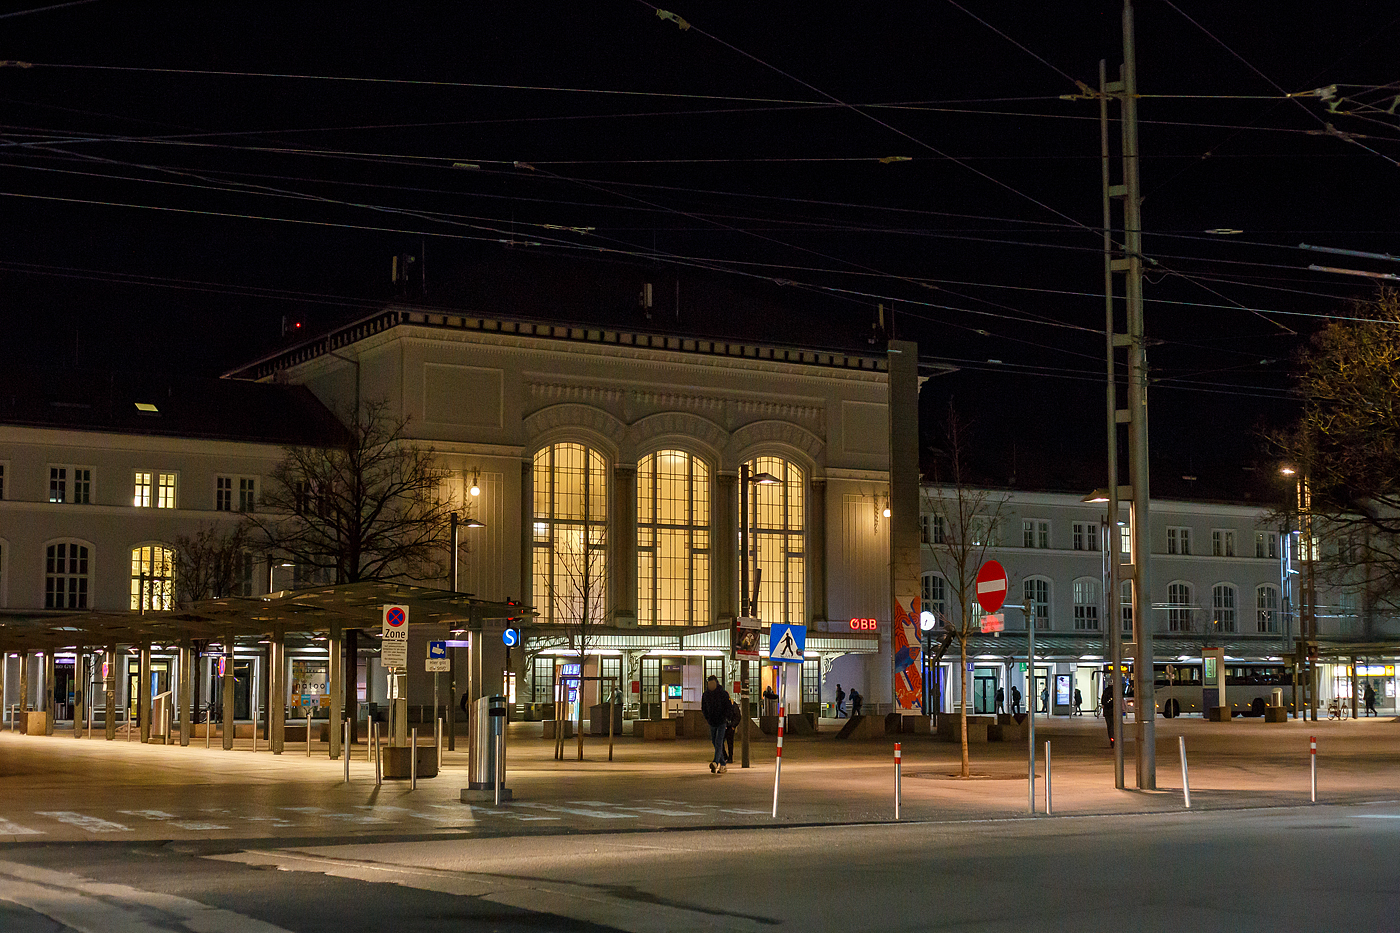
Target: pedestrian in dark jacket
840, 702
1370, 697
731, 725
856, 701
1106, 701
714, 706
1015, 700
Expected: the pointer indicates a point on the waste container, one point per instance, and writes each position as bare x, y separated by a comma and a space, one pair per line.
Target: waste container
488, 728
1276, 698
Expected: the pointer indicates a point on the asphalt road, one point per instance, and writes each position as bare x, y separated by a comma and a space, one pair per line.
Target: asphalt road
1305, 868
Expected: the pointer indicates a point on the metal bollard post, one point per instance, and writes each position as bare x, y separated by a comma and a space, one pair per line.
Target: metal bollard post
413, 759
346, 747
89, 726
374, 743
1185, 775
437, 740
1312, 754
500, 762
897, 788
207, 724
255, 734
308, 735
778, 768
1049, 799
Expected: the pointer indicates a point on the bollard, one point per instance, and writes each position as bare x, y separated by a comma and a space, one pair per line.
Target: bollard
897, 788
374, 742
1185, 775
308, 735
369, 731
89, 725
437, 740
346, 748
255, 736
778, 769
1049, 805
206, 728
413, 759
500, 781
1312, 755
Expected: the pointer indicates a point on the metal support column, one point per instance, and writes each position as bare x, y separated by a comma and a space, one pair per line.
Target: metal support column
49, 702
277, 685
143, 692
109, 694
187, 676
227, 723
335, 662
80, 701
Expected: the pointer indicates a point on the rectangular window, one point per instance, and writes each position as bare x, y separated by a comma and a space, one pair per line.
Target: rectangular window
58, 484
985, 531
1126, 605
81, 491
66, 576
223, 493
70, 484
714, 667
812, 680
1086, 536
542, 680
1222, 543
1086, 606
932, 529
247, 493
651, 680
1035, 533
1037, 594
165, 491
1178, 540
244, 585
141, 497
610, 669
1265, 544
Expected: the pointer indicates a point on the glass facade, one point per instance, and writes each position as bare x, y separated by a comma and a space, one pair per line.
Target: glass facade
673, 539
780, 540
570, 533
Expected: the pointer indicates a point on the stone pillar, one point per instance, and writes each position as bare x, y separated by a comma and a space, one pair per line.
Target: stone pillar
79, 690
109, 695
905, 559
724, 546
816, 552
352, 676
143, 692
527, 536
25, 660
277, 689
335, 663
50, 702
227, 722
187, 675
624, 544
265, 693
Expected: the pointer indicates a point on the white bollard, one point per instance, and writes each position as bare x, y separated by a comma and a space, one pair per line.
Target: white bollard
437, 740
346, 750
413, 759
1312, 754
1185, 775
897, 788
308, 735
1049, 805
374, 746
778, 769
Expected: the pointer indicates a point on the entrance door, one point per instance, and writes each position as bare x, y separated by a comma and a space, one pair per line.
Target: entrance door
242, 689
984, 691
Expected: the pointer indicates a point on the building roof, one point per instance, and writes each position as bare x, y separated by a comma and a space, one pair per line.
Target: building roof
165, 406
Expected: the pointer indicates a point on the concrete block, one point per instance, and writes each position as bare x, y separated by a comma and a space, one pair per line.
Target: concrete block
1006, 732
863, 727
1218, 714
397, 762
656, 729
950, 728
36, 722
549, 725
1276, 714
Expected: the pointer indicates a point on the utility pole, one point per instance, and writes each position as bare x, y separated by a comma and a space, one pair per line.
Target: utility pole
1132, 341
744, 610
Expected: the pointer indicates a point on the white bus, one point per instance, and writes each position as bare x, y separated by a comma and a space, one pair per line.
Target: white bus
1249, 685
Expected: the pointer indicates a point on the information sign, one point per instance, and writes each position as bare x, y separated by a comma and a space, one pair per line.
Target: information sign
787, 643
393, 647
745, 638
437, 658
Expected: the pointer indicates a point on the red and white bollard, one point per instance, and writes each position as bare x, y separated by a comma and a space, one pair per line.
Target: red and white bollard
897, 790
778, 771
1312, 755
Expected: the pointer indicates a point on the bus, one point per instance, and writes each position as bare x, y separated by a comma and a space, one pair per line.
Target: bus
1180, 689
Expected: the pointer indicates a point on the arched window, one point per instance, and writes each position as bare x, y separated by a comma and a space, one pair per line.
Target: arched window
935, 595
570, 533
1266, 603
1036, 592
152, 578
673, 539
779, 538
66, 575
1223, 604
1086, 605
1179, 606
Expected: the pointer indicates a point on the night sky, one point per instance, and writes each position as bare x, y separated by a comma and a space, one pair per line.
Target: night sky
163, 216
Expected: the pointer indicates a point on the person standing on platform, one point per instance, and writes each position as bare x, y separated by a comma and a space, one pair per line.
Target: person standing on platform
1370, 697
714, 706
840, 702
1001, 700
1106, 701
1015, 700
1078, 702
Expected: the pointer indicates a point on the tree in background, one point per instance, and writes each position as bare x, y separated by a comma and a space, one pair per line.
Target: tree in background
212, 563
963, 522
376, 507
578, 592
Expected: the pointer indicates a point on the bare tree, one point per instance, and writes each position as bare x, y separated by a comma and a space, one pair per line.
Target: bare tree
375, 507
964, 523
578, 598
211, 563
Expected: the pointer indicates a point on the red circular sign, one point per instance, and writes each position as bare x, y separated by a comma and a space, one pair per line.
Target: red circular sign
395, 617
991, 586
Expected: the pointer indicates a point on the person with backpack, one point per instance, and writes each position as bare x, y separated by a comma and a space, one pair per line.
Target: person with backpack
714, 706
731, 725
840, 702
856, 701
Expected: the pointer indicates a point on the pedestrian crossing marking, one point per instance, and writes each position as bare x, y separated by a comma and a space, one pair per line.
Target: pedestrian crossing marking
14, 829
195, 826
149, 814
91, 824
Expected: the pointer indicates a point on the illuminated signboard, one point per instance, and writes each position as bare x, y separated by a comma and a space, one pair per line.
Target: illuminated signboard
864, 625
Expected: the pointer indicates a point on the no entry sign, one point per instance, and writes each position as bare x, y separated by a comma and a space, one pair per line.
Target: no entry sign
991, 586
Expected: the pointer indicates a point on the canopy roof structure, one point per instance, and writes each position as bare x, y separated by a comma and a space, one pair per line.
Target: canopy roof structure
309, 611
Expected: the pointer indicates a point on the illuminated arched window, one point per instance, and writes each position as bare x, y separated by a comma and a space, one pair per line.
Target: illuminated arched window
570, 533
779, 538
152, 578
673, 539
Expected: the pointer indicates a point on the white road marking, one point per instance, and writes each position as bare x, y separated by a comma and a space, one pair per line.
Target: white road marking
1378, 816
303, 809
576, 811
81, 820
14, 829
745, 812
86, 906
196, 826
149, 814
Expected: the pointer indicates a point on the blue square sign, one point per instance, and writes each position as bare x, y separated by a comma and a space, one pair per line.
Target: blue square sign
437, 649
787, 643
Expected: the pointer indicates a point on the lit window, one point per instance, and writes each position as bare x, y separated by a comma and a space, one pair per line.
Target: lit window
223, 493
1037, 596
1035, 533
1266, 601
1086, 605
1265, 544
58, 484
165, 491
247, 493
66, 576
673, 539
1223, 604
1086, 536
152, 578
1179, 607
780, 540
570, 539
141, 498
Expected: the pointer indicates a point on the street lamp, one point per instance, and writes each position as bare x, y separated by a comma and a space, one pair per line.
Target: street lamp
1307, 620
748, 604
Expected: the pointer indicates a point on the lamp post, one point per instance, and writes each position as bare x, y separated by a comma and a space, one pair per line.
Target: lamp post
1113, 570
748, 604
1307, 619
456, 525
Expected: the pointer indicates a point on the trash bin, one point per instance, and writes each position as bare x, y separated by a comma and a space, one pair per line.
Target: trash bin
489, 725
1276, 698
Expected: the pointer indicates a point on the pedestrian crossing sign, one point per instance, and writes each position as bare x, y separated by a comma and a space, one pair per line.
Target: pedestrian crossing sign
787, 643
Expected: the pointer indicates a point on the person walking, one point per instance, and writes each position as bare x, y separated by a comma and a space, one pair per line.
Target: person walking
714, 706
1001, 699
1370, 697
1015, 700
1106, 702
1044, 700
840, 702
856, 700
731, 725
1078, 702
